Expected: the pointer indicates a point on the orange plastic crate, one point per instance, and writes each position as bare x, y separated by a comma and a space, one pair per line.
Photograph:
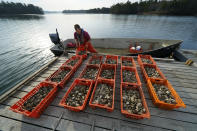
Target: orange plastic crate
85, 69
95, 57
110, 109
111, 57
107, 66
79, 62
135, 116
123, 58
65, 79
145, 75
132, 70
37, 111
145, 57
77, 82
81, 48
160, 103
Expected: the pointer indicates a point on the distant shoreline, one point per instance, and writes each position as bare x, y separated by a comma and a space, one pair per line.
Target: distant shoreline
145, 13
11, 8
148, 7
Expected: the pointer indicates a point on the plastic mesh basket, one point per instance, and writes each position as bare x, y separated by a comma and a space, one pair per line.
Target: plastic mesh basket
37, 111
75, 83
132, 115
162, 104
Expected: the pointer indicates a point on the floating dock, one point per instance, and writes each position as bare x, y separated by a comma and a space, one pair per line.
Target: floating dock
182, 77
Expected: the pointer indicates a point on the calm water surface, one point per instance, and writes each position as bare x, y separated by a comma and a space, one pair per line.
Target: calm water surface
24, 41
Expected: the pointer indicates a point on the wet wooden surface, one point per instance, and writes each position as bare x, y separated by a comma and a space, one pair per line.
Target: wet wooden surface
182, 77
191, 54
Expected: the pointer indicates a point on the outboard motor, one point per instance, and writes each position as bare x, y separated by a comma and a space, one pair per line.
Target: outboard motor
58, 49
55, 38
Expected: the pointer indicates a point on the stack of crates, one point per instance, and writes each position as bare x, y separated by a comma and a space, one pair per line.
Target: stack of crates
41, 106
109, 81
147, 61
67, 66
126, 85
82, 81
31, 97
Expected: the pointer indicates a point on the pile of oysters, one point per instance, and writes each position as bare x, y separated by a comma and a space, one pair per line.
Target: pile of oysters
110, 61
152, 72
107, 73
73, 62
127, 63
132, 101
95, 61
34, 100
129, 76
91, 73
103, 95
77, 96
59, 77
164, 94
147, 61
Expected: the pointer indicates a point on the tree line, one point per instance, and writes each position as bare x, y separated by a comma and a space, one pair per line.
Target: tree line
170, 7
19, 8
95, 10
165, 7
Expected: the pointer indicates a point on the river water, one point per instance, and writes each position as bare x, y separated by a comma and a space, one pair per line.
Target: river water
25, 44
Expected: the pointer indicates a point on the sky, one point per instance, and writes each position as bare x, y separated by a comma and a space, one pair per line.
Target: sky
59, 5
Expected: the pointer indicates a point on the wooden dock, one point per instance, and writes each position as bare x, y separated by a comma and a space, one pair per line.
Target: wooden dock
182, 77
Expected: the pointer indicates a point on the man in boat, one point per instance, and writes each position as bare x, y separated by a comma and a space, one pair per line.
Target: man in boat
82, 39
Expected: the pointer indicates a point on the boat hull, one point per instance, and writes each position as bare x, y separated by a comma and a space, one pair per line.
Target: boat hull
160, 53
57, 51
154, 47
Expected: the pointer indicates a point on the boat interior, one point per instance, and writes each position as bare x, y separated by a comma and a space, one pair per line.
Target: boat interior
121, 46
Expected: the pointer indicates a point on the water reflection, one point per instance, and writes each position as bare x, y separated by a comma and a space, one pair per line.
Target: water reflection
22, 17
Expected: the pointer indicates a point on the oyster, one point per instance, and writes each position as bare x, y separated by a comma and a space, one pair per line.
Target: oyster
164, 94
129, 76
132, 101
77, 96
103, 95
107, 73
91, 73
147, 61
95, 61
73, 62
34, 100
127, 63
110, 61
152, 72
59, 77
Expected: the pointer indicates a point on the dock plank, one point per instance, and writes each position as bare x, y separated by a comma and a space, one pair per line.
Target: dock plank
14, 125
44, 121
161, 112
87, 117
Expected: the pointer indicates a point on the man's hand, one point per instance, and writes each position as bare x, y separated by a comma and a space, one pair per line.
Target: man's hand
86, 46
77, 45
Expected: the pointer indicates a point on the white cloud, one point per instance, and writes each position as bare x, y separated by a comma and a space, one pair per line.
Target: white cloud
59, 5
